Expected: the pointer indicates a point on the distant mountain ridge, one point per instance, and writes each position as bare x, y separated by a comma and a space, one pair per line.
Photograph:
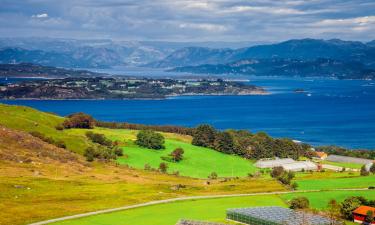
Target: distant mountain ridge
287, 67
101, 53
304, 49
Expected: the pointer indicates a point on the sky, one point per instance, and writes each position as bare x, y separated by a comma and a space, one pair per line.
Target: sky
189, 20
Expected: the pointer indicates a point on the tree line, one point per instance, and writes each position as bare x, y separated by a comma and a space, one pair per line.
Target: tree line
249, 145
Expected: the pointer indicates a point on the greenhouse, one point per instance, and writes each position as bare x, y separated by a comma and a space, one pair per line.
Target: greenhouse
273, 163
274, 216
300, 166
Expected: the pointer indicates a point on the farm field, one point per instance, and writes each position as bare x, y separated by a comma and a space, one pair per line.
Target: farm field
198, 162
332, 183
207, 209
345, 165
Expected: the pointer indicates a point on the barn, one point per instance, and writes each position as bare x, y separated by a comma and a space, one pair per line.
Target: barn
360, 213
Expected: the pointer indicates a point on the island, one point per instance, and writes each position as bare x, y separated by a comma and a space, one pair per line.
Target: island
123, 88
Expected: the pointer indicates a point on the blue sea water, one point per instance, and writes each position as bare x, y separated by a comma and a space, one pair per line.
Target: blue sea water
340, 112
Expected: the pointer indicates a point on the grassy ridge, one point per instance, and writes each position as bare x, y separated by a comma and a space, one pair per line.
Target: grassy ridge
331, 183
208, 209
28, 119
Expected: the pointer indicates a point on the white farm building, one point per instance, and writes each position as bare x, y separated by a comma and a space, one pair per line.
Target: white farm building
265, 163
288, 164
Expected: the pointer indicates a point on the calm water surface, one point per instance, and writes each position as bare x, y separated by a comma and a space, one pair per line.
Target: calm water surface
332, 112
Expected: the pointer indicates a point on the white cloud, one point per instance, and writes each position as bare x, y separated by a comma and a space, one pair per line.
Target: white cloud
204, 26
42, 15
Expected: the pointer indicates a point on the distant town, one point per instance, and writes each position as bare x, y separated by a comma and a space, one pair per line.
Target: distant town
123, 88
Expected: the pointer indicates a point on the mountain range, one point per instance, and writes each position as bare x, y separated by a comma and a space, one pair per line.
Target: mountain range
302, 57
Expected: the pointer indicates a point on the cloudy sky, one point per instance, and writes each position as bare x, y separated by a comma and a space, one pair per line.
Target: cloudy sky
190, 20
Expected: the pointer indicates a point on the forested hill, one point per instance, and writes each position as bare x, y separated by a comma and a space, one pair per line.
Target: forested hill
34, 70
287, 67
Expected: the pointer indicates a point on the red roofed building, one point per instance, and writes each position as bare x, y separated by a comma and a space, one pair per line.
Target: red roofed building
321, 155
360, 214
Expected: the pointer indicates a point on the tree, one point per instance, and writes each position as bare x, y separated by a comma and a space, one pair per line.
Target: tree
333, 211
372, 168
150, 139
348, 205
177, 154
204, 135
369, 217
213, 176
163, 167
79, 120
299, 203
224, 142
277, 171
364, 172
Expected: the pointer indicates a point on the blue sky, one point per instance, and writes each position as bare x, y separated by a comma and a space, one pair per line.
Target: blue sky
189, 20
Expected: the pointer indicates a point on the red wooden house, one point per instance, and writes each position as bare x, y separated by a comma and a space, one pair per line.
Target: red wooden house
360, 214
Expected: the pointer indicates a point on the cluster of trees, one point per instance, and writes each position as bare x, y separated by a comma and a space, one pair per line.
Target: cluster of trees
248, 145
105, 150
49, 140
283, 176
150, 139
132, 126
351, 203
365, 154
78, 120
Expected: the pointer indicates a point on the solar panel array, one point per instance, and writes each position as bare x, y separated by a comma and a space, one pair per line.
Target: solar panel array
275, 216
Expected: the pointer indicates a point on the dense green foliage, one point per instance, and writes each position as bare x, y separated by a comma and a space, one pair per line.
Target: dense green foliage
79, 120
351, 203
132, 126
283, 176
150, 139
299, 203
248, 145
99, 138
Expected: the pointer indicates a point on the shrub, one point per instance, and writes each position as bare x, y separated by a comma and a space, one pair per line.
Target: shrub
299, 203
163, 167
277, 171
147, 166
150, 139
213, 176
118, 151
59, 127
99, 139
348, 205
372, 168
177, 154
60, 144
79, 120
294, 185
89, 154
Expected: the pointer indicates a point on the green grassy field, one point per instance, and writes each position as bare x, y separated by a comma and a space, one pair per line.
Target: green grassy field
345, 165
198, 162
331, 183
208, 209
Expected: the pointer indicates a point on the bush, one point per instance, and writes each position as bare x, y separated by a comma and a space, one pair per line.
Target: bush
163, 167
99, 139
277, 171
150, 139
348, 205
79, 120
118, 151
89, 154
299, 203
213, 176
147, 166
177, 154
60, 144
59, 127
